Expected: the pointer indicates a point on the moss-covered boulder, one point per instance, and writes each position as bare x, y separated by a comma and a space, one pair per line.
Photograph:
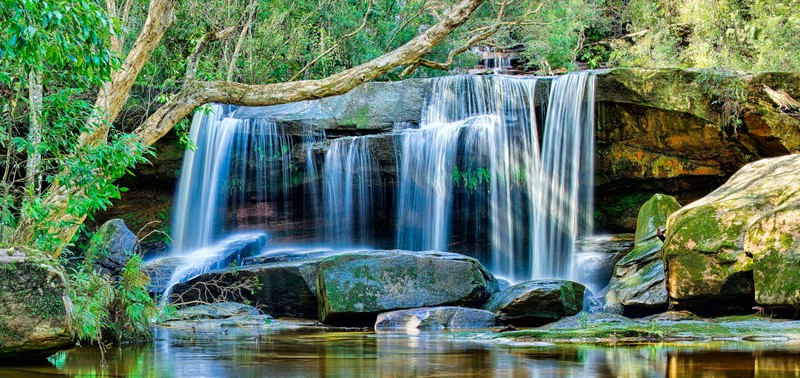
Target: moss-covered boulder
435, 318
538, 302
353, 288
740, 241
34, 306
638, 279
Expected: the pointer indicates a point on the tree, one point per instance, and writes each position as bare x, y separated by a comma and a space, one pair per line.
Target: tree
85, 180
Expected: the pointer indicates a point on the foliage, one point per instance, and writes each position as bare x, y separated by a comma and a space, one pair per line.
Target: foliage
111, 309
742, 35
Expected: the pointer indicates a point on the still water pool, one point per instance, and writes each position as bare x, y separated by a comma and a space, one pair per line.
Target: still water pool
366, 354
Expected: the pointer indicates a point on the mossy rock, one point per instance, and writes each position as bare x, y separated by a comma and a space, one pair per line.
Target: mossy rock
717, 246
34, 305
353, 288
537, 302
638, 279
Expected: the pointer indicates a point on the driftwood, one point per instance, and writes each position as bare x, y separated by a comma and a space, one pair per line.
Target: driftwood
785, 103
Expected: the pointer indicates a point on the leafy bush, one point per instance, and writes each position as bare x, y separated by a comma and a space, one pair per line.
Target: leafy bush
112, 310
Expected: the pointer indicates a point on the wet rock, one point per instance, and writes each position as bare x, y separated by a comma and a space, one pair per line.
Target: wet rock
435, 318
113, 244
34, 306
584, 320
284, 288
740, 242
355, 287
672, 316
230, 252
218, 310
596, 257
538, 302
639, 277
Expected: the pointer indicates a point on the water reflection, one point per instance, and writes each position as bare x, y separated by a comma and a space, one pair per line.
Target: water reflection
369, 355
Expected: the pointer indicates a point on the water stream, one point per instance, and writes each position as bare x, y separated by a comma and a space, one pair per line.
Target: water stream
357, 354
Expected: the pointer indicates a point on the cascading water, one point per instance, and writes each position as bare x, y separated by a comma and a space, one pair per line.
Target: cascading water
235, 165
478, 139
474, 177
351, 189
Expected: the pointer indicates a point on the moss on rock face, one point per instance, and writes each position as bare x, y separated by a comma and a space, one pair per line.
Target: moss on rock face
638, 279
34, 306
740, 240
355, 287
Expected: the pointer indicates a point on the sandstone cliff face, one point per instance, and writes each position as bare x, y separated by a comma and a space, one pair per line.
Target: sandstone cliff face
657, 131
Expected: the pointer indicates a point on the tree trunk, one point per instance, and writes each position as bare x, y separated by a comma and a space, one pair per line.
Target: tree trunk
33, 176
196, 93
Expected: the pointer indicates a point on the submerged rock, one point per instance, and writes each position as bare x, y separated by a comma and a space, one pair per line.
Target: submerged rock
355, 287
435, 318
218, 310
34, 306
742, 241
534, 303
639, 277
113, 244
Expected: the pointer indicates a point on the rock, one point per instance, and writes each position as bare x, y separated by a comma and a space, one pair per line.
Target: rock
286, 288
34, 306
741, 242
596, 257
639, 277
113, 244
672, 316
218, 310
435, 318
232, 251
584, 320
355, 287
538, 302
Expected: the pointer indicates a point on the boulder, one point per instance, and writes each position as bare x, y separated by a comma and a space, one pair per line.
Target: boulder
741, 242
232, 251
34, 306
354, 287
435, 318
638, 279
285, 288
538, 302
112, 244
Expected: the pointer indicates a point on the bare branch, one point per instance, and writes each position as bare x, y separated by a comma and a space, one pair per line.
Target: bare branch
245, 29
194, 58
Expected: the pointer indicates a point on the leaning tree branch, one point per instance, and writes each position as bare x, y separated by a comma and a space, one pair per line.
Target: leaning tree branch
197, 93
193, 60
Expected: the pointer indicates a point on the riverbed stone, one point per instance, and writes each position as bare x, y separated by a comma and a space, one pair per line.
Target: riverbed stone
219, 310
596, 257
740, 243
639, 279
34, 306
435, 318
537, 302
354, 288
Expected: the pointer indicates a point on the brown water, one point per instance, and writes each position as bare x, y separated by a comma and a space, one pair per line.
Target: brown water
433, 355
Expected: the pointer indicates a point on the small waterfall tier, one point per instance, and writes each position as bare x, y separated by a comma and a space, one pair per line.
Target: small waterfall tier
477, 167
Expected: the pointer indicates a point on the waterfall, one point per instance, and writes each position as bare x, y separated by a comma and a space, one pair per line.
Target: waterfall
236, 166
350, 191
483, 173
565, 208
478, 148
